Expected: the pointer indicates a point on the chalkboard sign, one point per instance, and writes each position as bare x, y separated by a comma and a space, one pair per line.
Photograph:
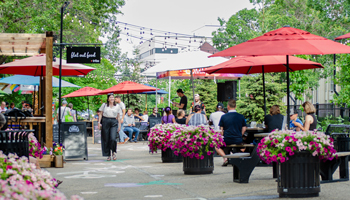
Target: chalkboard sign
75, 140
96, 132
55, 133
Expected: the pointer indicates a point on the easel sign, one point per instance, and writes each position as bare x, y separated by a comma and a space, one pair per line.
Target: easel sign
84, 55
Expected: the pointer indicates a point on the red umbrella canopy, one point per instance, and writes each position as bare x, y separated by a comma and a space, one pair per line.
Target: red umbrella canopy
346, 36
36, 66
128, 87
85, 91
285, 41
253, 64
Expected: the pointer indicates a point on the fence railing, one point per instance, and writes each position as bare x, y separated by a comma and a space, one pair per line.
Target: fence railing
326, 110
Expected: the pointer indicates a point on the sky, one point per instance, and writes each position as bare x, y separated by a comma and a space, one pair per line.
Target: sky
180, 16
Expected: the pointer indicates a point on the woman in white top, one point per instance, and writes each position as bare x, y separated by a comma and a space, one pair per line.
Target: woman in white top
110, 127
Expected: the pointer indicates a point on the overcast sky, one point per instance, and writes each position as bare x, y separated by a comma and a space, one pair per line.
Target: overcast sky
181, 16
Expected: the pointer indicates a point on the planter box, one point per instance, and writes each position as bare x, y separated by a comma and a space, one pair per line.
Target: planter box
58, 161
198, 166
45, 161
168, 156
300, 176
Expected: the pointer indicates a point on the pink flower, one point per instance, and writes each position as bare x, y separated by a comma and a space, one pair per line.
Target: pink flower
208, 153
283, 159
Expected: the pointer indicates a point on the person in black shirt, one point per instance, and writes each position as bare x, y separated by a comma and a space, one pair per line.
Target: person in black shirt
274, 120
181, 117
154, 114
183, 102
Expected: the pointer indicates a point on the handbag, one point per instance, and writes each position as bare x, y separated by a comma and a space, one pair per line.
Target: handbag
68, 118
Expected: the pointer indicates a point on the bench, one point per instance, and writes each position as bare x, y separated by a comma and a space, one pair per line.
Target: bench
243, 163
15, 141
328, 168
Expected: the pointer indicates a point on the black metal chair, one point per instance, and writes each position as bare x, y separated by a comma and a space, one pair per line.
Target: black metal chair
15, 141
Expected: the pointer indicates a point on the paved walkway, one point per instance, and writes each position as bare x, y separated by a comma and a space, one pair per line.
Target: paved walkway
140, 175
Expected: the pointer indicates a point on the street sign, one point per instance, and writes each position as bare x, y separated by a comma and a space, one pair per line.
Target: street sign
83, 54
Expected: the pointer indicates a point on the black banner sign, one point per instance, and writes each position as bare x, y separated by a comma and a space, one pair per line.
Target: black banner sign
83, 54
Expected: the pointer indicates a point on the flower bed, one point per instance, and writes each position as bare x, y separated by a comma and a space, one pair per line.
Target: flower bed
188, 141
278, 146
161, 136
20, 179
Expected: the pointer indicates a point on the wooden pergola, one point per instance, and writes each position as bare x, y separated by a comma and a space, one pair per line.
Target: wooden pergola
23, 44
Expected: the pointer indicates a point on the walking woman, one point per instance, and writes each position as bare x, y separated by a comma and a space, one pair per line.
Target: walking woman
168, 118
110, 127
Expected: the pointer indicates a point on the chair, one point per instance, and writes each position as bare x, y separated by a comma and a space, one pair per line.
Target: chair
154, 120
143, 127
15, 141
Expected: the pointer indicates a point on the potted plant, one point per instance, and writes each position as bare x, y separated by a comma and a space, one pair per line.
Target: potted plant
298, 155
58, 152
196, 144
161, 136
47, 157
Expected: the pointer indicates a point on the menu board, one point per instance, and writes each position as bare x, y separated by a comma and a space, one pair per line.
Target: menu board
75, 140
55, 133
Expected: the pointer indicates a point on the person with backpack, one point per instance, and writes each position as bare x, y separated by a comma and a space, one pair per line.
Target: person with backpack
64, 111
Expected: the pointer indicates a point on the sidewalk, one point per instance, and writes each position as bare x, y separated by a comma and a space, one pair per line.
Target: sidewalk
140, 175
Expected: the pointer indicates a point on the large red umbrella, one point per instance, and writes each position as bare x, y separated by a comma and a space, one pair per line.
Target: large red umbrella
346, 36
85, 91
36, 66
261, 64
128, 87
285, 41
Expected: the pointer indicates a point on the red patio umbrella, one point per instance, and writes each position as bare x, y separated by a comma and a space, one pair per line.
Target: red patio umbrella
36, 66
85, 91
128, 87
261, 64
285, 41
346, 36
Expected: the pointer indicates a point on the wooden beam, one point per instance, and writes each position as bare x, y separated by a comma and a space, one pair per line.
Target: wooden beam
48, 89
21, 35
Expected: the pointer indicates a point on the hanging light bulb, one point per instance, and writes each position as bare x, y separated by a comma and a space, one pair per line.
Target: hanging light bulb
75, 16
95, 29
90, 22
79, 21
100, 23
68, 13
72, 20
83, 26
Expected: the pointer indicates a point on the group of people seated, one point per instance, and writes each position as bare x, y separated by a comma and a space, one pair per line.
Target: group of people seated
5, 106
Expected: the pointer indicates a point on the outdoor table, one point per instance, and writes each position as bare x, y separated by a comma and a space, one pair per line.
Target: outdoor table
29, 121
260, 135
251, 131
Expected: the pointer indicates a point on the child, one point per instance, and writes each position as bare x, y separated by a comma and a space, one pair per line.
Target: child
294, 120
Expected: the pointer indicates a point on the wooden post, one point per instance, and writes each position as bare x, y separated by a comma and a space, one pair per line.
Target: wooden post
48, 90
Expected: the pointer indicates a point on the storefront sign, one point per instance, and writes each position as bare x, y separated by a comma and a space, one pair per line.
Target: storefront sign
83, 54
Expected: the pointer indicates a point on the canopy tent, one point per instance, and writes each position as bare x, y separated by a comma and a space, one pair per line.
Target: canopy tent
285, 41
85, 91
33, 80
261, 64
36, 66
187, 62
346, 36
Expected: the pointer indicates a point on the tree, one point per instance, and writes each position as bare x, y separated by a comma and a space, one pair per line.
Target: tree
343, 80
251, 103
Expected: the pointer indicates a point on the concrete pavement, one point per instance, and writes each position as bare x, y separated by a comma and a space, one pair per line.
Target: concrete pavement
140, 175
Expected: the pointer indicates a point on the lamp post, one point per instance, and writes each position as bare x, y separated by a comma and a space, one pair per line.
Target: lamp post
64, 6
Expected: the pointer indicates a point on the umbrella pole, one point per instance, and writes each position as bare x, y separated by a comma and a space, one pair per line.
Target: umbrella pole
88, 107
192, 89
288, 113
156, 91
239, 88
169, 90
128, 101
263, 76
146, 102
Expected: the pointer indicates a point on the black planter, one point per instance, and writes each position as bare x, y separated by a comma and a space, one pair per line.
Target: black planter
299, 176
198, 166
168, 156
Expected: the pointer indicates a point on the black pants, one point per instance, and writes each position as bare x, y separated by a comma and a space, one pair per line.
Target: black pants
109, 136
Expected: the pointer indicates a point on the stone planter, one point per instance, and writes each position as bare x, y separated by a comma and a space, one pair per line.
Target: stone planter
168, 156
299, 176
58, 161
198, 166
45, 161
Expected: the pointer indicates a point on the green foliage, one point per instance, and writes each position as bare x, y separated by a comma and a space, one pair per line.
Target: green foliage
251, 103
343, 80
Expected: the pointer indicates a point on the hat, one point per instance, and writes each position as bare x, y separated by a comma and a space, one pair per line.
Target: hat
293, 111
220, 105
196, 95
64, 102
180, 90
